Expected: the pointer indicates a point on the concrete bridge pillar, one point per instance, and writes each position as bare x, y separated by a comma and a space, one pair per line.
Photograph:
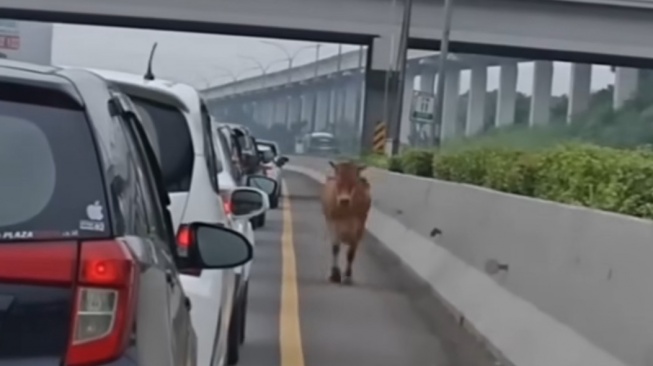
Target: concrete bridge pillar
378, 67
406, 128
322, 107
625, 86
541, 97
579, 90
331, 101
270, 111
351, 99
507, 98
308, 100
476, 101
279, 108
450, 106
427, 79
340, 97
295, 108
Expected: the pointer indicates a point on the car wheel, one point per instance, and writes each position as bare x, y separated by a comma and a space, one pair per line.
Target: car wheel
233, 340
243, 314
274, 202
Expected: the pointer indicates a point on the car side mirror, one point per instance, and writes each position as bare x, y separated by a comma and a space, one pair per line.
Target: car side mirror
248, 202
281, 161
207, 246
268, 185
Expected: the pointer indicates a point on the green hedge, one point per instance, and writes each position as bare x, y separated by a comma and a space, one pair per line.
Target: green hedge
584, 174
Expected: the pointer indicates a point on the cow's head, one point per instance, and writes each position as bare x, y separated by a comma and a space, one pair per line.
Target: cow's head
347, 175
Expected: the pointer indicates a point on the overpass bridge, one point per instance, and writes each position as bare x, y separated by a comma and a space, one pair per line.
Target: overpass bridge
329, 92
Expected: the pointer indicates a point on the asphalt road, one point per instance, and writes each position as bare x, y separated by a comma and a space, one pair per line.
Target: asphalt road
297, 318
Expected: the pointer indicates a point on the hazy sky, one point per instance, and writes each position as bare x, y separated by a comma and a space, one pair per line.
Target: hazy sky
200, 59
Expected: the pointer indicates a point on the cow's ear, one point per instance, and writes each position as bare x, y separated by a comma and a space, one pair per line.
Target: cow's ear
333, 165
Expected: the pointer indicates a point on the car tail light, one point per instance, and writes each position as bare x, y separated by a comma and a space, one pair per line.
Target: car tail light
184, 241
226, 202
105, 306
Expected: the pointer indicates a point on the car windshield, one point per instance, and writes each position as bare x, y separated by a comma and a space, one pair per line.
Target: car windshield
51, 184
166, 126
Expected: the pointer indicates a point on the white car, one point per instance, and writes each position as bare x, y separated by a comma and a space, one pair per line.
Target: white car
229, 178
177, 122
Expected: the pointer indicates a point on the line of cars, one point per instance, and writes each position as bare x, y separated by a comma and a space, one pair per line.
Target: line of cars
125, 236
255, 156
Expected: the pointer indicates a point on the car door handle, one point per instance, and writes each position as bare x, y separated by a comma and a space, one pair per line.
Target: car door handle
170, 278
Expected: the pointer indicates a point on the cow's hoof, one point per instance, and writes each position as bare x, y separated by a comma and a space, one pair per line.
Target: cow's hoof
335, 275
347, 281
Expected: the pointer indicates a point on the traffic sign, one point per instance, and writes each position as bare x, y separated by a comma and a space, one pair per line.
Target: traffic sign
422, 108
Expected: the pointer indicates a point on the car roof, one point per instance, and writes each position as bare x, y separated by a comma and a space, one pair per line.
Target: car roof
182, 96
266, 142
321, 134
237, 126
47, 76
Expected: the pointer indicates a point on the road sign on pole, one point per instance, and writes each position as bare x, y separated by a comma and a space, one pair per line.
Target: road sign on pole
422, 108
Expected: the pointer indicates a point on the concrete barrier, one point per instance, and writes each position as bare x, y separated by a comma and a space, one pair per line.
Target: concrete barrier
577, 287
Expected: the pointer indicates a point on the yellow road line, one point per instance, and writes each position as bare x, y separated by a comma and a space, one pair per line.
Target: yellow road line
290, 336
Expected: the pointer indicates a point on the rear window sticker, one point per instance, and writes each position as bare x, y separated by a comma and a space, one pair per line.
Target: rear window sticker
16, 235
89, 225
94, 211
95, 214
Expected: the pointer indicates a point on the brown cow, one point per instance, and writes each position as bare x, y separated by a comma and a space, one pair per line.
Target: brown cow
346, 203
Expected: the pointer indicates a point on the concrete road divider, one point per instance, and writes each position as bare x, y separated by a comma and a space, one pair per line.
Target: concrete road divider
541, 283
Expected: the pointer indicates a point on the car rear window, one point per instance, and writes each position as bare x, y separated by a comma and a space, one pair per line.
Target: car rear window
244, 140
168, 132
266, 152
325, 141
51, 184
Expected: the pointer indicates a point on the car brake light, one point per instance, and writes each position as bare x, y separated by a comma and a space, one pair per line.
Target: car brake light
226, 202
184, 241
227, 207
105, 306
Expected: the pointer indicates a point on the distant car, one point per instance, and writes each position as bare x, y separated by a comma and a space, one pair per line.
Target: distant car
89, 268
247, 143
272, 163
248, 161
176, 120
320, 144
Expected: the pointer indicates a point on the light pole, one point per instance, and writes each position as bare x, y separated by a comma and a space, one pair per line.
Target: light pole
401, 61
259, 65
234, 76
314, 109
436, 127
290, 57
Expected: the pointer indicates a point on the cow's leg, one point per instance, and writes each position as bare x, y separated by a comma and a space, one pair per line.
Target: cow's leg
351, 255
335, 268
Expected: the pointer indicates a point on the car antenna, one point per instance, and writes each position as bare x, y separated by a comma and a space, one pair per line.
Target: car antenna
148, 74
